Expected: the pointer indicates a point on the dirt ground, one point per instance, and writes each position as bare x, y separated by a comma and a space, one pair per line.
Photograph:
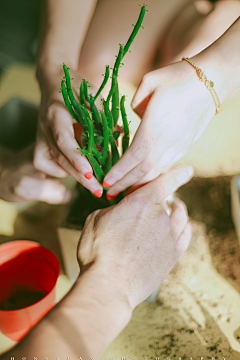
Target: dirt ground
208, 201
197, 310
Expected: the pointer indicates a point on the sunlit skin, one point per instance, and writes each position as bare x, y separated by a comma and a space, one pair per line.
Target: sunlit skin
151, 152
100, 304
21, 182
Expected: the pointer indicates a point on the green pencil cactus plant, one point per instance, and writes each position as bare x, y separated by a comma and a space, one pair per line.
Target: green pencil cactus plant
98, 142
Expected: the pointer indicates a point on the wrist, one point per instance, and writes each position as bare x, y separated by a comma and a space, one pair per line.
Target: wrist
48, 67
220, 61
97, 301
97, 281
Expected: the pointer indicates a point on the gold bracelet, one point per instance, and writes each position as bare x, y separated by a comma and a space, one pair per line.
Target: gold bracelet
208, 83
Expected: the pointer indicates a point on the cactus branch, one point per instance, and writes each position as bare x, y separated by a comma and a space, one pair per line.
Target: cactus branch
106, 76
98, 125
82, 99
90, 99
125, 139
106, 135
135, 29
115, 72
66, 100
87, 97
115, 105
96, 117
108, 115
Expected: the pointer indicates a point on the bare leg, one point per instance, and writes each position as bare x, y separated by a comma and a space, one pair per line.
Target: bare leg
112, 24
193, 31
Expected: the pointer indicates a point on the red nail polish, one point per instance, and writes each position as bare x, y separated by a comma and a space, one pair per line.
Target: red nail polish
88, 175
105, 184
98, 193
110, 197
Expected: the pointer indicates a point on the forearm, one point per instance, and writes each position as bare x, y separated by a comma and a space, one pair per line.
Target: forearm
63, 28
82, 325
220, 61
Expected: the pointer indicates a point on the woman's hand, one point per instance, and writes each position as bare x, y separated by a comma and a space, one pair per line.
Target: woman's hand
56, 151
134, 245
175, 108
21, 182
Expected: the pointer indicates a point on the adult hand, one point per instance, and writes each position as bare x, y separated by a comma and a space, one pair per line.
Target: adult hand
175, 108
56, 151
21, 182
134, 244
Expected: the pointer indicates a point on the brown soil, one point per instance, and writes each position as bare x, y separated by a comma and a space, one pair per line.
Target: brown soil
21, 298
208, 201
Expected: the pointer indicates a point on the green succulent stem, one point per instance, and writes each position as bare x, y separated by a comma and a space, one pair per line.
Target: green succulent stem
106, 137
82, 98
135, 29
105, 80
125, 139
115, 73
115, 105
108, 115
66, 100
98, 125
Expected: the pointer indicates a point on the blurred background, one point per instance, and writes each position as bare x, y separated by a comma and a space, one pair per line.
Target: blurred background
194, 310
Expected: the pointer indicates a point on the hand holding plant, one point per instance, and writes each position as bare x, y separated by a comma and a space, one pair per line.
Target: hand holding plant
98, 125
117, 251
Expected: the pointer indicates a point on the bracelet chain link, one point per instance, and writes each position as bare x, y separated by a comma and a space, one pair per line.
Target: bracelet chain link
208, 83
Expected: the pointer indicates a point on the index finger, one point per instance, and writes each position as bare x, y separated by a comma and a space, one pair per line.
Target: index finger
63, 134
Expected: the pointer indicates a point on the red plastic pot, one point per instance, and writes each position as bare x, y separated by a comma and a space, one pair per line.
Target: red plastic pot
28, 276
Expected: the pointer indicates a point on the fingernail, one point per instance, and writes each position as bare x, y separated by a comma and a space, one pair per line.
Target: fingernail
98, 193
88, 175
110, 181
110, 197
84, 170
67, 196
105, 184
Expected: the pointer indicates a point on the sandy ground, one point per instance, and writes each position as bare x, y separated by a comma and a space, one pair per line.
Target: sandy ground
198, 308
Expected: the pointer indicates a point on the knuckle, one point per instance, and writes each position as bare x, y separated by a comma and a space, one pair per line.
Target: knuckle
138, 202
164, 221
132, 200
37, 162
140, 172
53, 112
50, 113
184, 207
58, 157
137, 153
172, 184
89, 218
149, 80
182, 215
61, 139
143, 169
